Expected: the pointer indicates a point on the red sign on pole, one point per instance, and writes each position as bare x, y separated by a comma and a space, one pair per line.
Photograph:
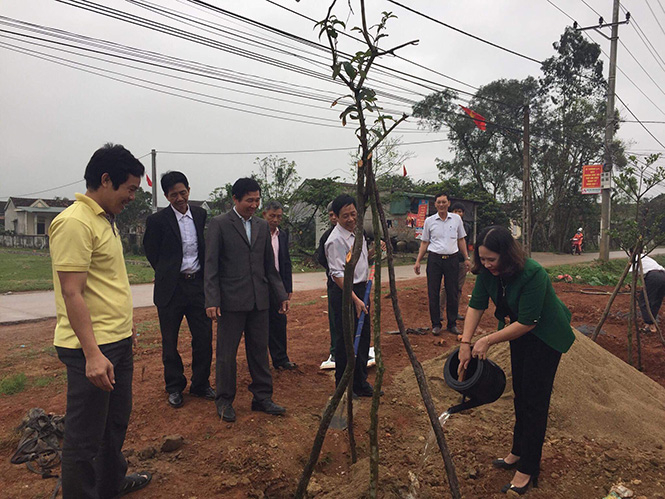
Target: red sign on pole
591, 179
423, 208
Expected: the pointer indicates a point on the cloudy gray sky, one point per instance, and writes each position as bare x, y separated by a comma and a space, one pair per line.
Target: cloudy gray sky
55, 112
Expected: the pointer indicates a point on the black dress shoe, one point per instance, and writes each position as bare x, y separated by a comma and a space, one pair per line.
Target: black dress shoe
502, 464
533, 481
268, 406
452, 330
208, 393
226, 413
368, 391
175, 399
287, 366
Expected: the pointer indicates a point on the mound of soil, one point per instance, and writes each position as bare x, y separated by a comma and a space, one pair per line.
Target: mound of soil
603, 429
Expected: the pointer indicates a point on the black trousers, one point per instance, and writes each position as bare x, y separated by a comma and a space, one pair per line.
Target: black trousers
534, 366
277, 335
93, 466
230, 327
188, 301
654, 281
360, 373
448, 269
331, 317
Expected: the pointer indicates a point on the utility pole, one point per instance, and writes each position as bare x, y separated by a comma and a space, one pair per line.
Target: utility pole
526, 186
606, 178
153, 153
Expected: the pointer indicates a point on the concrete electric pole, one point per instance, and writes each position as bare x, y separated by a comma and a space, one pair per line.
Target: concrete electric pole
526, 186
153, 154
606, 177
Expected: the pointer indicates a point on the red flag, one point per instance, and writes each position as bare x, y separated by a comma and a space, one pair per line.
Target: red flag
403, 170
148, 179
477, 119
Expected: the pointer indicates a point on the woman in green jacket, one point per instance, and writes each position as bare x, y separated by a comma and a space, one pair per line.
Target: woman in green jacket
538, 331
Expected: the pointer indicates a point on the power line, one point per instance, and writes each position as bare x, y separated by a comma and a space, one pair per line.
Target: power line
642, 67
654, 16
298, 151
594, 10
638, 120
48, 190
492, 44
645, 40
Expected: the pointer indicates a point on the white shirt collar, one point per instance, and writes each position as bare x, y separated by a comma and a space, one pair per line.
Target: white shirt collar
179, 216
345, 233
240, 216
444, 219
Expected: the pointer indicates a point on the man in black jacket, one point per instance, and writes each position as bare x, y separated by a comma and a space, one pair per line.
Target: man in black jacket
321, 258
279, 238
175, 247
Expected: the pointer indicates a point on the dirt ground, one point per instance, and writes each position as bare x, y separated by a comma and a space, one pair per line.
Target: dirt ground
263, 456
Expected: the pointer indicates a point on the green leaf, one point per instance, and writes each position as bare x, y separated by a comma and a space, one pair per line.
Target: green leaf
350, 70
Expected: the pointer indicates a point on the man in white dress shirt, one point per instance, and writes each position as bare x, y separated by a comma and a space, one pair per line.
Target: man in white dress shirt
654, 282
443, 241
338, 248
174, 246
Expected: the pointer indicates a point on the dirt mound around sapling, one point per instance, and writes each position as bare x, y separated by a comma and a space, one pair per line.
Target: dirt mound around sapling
596, 395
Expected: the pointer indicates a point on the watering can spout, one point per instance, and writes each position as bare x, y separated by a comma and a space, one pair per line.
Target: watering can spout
466, 404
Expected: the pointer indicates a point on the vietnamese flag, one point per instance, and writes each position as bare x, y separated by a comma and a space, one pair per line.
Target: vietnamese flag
403, 170
477, 119
148, 180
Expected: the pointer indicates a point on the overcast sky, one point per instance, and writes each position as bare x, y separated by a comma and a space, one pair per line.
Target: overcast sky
52, 117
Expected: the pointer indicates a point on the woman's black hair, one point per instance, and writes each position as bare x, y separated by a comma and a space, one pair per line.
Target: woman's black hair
499, 240
115, 160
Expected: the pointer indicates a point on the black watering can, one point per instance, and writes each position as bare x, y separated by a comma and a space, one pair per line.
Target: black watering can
483, 384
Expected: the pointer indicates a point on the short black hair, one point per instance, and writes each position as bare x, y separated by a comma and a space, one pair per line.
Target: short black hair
499, 240
115, 160
169, 179
341, 201
244, 185
457, 206
439, 194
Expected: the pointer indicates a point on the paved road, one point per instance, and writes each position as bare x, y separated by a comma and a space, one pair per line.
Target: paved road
21, 307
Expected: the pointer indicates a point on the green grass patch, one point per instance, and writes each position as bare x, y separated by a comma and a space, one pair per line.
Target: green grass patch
594, 273
30, 270
13, 384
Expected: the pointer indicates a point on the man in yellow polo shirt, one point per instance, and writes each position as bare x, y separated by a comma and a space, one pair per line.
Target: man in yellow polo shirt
93, 335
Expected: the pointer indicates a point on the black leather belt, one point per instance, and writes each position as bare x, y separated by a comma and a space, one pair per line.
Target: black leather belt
444, 257
187, 277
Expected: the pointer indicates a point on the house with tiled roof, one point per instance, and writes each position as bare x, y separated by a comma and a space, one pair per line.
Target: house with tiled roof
32, 216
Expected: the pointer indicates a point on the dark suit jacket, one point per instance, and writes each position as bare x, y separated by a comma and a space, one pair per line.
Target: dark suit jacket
238, 276
285, 268
163, 248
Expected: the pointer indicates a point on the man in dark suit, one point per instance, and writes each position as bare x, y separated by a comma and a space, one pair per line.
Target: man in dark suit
272, 213
240, 275
174, 246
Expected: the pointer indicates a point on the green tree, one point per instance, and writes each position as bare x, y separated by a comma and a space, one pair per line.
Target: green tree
278, 179
567, 107
220, 199
135, 213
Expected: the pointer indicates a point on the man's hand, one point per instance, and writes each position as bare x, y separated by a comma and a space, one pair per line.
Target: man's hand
360, 305
99, 370
284, 307
416, 268
467, 264
213, 312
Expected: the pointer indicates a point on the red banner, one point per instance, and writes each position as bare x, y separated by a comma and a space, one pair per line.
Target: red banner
591, 179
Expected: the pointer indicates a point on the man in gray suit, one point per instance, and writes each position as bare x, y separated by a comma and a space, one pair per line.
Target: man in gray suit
240, 275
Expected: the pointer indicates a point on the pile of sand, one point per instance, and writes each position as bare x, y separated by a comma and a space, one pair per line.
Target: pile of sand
596, 395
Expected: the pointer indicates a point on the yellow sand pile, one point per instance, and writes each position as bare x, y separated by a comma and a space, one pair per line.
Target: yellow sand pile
596, 395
